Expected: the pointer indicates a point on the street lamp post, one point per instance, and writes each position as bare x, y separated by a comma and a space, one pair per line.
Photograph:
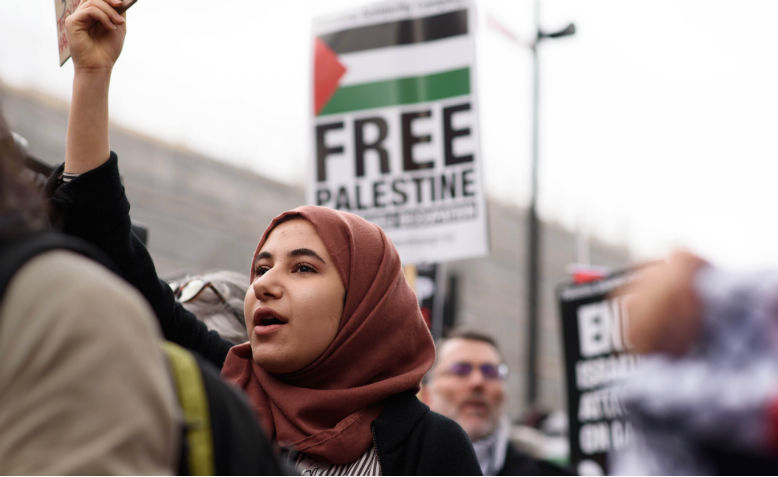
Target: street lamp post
534, 249
533, 238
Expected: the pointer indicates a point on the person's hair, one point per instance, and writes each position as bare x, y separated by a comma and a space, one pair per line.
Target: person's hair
472, 335
22, 207
223, 314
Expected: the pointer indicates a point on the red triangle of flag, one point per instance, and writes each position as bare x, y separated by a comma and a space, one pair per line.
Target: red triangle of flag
327, 71
586, 276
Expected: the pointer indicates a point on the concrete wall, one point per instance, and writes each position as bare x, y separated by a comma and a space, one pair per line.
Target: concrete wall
203, 214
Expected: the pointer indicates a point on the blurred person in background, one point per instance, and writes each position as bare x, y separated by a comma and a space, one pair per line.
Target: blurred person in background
84, 387
216, 298
467, 384
704, 399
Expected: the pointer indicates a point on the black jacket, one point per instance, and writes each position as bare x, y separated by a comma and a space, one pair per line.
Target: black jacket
519, 463
410, 439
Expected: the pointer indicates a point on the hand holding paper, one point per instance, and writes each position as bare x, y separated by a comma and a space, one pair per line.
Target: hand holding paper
94, 26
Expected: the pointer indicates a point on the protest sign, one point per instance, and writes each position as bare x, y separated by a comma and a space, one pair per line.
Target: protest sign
395, 125
63, 8
597, 359
430, 291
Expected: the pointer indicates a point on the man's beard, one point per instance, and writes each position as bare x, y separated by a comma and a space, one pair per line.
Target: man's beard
476, 427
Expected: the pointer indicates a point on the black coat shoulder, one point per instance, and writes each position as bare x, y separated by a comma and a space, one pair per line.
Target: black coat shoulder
413, 440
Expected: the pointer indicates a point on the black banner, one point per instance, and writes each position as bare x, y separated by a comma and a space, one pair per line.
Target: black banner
596, 358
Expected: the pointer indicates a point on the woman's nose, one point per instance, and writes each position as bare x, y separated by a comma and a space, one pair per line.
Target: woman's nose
267, 286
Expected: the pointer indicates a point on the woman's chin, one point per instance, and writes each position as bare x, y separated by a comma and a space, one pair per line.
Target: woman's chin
272, 362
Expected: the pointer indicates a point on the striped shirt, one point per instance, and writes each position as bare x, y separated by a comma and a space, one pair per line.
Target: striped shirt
68, 176
367, 464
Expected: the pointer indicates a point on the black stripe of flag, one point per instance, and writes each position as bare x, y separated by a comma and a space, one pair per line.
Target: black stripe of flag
403, 32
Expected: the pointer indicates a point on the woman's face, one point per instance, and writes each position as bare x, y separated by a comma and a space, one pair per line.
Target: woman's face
294, 305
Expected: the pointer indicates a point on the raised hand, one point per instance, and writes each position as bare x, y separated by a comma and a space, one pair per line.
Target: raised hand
95, 33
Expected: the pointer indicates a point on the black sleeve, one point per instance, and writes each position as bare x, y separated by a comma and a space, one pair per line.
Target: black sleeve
94, 207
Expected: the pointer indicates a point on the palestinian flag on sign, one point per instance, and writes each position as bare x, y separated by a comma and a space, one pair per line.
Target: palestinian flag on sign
393, 63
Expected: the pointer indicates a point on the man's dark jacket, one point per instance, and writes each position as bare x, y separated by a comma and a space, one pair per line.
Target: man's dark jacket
519, 463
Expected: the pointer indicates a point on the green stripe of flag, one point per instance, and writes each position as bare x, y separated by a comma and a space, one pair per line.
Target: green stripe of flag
394, 92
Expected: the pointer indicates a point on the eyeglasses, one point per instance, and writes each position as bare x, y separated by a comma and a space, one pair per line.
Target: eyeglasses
488, 370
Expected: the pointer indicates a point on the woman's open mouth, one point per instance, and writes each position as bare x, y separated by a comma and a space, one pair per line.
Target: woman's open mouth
270, 320
266, 321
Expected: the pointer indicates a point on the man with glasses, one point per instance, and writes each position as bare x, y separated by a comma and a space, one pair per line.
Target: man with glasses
467, 384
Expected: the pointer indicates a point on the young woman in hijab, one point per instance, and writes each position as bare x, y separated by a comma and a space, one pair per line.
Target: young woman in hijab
337, 344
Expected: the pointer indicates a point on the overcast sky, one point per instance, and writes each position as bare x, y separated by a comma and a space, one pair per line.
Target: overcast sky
659, 119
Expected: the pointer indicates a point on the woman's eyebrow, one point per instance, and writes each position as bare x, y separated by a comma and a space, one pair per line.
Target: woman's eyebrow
262, 255
305, 252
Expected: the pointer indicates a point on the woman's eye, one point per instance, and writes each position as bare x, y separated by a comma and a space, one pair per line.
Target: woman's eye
304, 268
259, 271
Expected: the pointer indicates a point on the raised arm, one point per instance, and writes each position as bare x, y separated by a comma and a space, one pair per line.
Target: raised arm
95, 33
93, 206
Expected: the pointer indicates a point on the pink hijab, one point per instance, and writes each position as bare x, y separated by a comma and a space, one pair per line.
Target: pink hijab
382, 348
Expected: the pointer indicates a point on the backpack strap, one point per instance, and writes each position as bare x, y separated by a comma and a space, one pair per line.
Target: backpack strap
18, 250
194, 405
